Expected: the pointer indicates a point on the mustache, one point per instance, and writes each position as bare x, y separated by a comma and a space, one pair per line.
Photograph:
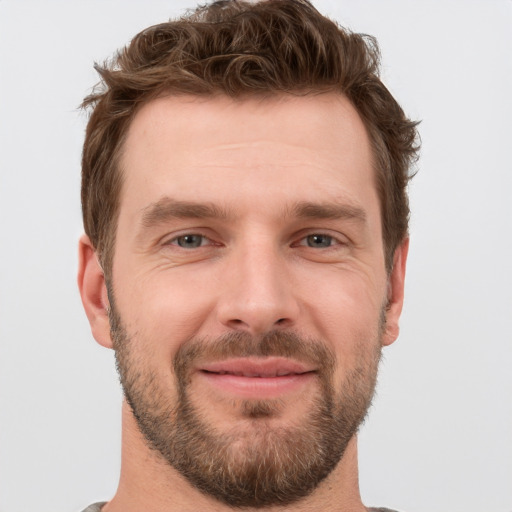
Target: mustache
242, 344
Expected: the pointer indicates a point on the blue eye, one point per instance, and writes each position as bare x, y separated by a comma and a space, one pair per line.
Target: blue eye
190, 241
319, 241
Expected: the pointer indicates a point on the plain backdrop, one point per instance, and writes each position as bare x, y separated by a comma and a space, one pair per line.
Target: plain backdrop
439, 436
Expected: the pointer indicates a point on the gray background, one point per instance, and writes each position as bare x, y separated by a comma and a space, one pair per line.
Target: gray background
439, 437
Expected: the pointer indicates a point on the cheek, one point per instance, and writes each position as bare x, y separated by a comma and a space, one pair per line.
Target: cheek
347, 314
163, 313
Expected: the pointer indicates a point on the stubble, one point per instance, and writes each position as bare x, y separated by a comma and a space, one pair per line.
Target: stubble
261, 464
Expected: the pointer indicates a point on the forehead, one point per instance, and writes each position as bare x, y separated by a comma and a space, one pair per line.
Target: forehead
209, 148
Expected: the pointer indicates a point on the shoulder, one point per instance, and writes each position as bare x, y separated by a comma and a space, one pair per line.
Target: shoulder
381, 509
96, 507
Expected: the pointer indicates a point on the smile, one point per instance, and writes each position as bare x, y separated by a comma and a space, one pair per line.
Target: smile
256, 378
264, 375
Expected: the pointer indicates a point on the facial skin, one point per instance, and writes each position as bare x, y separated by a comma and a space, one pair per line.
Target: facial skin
249, 299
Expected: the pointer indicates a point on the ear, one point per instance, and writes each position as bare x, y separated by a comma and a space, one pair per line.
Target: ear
93, 290
396, 281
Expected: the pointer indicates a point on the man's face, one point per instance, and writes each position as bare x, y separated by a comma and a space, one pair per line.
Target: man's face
249, 294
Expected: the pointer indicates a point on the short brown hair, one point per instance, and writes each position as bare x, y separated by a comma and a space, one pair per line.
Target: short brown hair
239, 48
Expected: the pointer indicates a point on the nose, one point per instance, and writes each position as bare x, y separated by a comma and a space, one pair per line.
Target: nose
257, 292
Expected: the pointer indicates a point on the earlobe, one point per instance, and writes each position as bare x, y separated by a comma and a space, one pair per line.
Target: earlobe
93, 290
395, 299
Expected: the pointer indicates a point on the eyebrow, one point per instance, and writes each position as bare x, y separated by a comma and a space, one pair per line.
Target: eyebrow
330, 211
167, 209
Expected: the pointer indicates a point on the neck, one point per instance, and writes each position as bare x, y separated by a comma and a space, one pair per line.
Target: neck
147, 482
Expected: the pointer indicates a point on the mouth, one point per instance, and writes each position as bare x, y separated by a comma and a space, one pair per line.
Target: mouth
257, 378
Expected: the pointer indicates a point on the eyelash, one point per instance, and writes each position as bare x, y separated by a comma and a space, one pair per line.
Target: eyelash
302, 242
175, 240
332, 240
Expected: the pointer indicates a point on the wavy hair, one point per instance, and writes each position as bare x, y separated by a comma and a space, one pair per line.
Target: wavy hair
238, 48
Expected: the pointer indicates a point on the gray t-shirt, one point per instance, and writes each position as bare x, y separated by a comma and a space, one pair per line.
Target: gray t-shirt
96, 507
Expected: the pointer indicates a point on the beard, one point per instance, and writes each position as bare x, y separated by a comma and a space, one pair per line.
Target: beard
256, 464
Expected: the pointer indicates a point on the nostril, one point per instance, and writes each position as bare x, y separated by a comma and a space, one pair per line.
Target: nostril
281, 321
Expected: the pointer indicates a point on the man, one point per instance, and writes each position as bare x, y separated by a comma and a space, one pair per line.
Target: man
244, 202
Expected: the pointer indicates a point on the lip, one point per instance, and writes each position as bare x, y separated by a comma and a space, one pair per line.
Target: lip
256, 378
